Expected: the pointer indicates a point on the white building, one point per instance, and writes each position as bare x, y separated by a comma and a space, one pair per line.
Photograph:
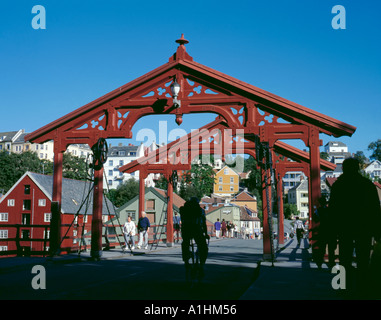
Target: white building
337, 151
119, 156
291, 179
374, 169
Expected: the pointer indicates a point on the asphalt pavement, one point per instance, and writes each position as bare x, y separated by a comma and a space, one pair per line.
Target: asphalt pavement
235, 270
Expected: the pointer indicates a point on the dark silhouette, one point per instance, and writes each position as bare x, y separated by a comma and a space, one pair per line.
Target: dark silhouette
194, 227
355, 209
326, 234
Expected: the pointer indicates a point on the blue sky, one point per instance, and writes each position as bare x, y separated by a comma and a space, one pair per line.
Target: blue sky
286, 47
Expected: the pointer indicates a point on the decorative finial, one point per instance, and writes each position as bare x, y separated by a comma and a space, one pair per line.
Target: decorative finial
182, 40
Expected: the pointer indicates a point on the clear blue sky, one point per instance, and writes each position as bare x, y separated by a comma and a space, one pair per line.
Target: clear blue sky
286, 47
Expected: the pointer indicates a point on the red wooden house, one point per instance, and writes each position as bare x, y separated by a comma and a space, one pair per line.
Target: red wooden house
25, 215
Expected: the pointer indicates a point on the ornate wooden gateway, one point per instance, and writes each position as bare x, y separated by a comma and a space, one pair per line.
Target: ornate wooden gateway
183, 86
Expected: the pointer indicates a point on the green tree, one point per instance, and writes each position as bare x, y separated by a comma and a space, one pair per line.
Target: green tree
289, 210
324, 155
162, 183
13, 167
74, 167
361, 158
124, 193
201, 177
375, 147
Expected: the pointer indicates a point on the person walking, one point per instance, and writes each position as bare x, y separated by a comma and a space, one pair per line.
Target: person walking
194, 227
356, 216
299, 229
129, 231
217, 228
176, 226
143, 227
223, 228
326, 235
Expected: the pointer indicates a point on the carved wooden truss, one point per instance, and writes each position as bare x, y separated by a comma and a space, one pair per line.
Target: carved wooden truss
256, 112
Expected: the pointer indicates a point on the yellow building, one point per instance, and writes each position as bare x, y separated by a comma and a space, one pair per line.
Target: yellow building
226, 182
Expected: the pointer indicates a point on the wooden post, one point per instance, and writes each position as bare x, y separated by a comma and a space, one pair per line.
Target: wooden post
142, 177
314, 182
266, 209
55, 222
169, 212
280, 208
96, 224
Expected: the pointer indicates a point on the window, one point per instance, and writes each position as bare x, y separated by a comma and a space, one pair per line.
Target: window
231, 179
121, 162
110, 163
150, 205
26, 205
110, 182
11, 202
41, 202
25, 218
25, 234
3, 234
3, 248
231, 188
220, 188
27, 189
3, 217
46, 234
220, 179
226, 171
122, 153
47, 217
110, 172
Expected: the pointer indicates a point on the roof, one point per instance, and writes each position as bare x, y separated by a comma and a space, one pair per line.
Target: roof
177, 200
114, 151
244, 196
301, 186
246, 214
7, 136
335, 144
330, 181
182, 62
74, 193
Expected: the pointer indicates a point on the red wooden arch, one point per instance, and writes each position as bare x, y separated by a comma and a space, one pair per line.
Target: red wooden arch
242, 106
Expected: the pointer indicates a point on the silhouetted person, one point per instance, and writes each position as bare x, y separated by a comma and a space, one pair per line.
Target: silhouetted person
194, 227
355, 209
326, 235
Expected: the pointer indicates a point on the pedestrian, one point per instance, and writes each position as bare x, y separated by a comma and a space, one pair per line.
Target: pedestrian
223, 228
194, 227
129, 233
228, 228
143, 228
176, 226
217, 228
356, 215
326, 235
299, 229
235, 231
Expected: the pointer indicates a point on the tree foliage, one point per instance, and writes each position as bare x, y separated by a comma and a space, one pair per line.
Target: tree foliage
124, 193
198, 181
375, 147
14, 165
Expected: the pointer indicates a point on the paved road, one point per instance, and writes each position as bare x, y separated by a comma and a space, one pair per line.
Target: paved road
156, 275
